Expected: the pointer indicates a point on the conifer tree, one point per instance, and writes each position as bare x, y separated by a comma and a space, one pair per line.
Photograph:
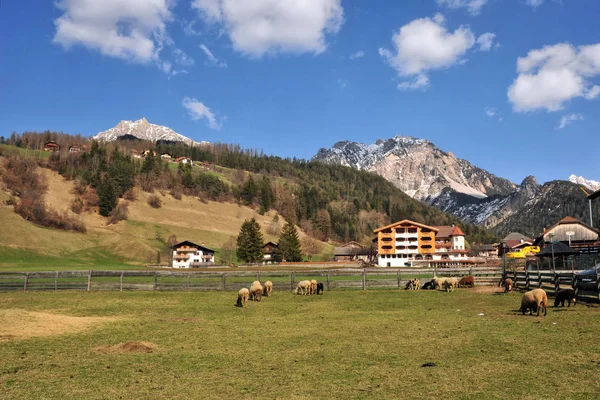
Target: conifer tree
107, 196
250, 242
289, 244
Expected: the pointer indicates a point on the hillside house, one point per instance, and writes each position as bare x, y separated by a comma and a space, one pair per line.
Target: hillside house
353, 251
165, 156
51, 146
406, 242
75, 149
191, 255
183, 160
268, 251
148, 153
513, 242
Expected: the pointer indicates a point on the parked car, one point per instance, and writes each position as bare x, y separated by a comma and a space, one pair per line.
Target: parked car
586, 279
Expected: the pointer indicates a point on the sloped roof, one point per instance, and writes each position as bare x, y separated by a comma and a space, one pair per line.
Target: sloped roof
270, 243
571, 220
405, 221
558, 248
192, 244
448, 231
516, 236
457, 231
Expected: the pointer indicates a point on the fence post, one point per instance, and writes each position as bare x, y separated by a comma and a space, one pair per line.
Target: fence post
26, 281
121, 282
328, 285
556, 283
89, 285
155, 281
527, 280
56, 281
223, 281
398, 272
515, 278
187, 282
364, 279
258, 276
471, 271
539, 279
292, 279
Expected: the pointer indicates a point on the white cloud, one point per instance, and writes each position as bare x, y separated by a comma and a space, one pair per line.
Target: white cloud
568, 120
473, 6
550, 76
358, 54
534, 3
259, 27
188, 28
182, 58
424, 45
212, 59
486, 41
132, 30
493, 112
197, 110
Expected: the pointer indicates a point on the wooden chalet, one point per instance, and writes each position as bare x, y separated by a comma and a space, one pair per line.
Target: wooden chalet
188, 254
514, 241
268, 251
75, 149
353, 251
183, 160
51, 146
165, 156
572, 232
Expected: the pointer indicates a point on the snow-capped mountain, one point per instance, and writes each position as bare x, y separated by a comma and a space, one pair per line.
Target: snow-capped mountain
144, 130
417, 167
580, 180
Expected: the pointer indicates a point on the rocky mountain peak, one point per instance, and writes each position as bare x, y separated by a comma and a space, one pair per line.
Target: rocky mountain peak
144, 130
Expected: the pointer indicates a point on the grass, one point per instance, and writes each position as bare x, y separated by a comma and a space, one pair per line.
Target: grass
343, 345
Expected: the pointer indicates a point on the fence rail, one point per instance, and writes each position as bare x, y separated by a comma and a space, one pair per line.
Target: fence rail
360, 279
585, 286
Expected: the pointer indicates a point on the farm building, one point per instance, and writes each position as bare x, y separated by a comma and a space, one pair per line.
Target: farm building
353, 251
484, 250
268, 251
51, 146
183, 160
75, 149
514, 241
572, 232
165, 156
191, 255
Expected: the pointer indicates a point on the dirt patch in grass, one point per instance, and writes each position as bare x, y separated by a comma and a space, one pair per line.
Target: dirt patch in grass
129, 347
18, 324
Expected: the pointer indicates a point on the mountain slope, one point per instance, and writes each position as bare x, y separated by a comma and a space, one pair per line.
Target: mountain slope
143, 130
587, 183
417, 167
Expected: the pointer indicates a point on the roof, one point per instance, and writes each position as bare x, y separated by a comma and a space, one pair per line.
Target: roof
516, 236
484, 247
571, 220
354, 244
270, 243
182, 158
352, 251
192, 244
405, 221
448, 231
594, 195
517, 243
558, 248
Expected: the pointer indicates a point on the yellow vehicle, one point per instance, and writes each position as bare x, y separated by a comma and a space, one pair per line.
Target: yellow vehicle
524, 252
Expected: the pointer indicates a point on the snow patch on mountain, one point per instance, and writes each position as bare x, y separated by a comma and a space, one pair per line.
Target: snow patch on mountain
144, 130
589, 184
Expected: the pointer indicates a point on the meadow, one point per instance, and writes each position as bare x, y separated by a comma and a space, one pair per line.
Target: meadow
344, 344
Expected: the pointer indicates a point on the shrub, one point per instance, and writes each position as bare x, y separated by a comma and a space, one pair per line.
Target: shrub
77, 205
154, 201
176, 192
130, 195
119, 213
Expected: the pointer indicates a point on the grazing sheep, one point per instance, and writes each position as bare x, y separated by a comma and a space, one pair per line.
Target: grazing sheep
450, 284
268, 289
429, 285
467, 281
303, 287
256, 291
534, 300
508, 284
413, 284
243, 295
565, 295
320, 288
439, 282
313, 287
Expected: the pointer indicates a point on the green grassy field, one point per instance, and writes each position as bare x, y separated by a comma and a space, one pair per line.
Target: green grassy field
346, 344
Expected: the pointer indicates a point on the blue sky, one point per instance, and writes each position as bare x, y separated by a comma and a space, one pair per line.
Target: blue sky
510, 85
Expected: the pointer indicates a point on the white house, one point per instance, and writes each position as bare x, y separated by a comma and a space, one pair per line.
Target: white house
191, 255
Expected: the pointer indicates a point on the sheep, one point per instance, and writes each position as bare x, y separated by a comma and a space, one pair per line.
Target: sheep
243, 295
320, 288
467, 281
508, 284
313, 287
268, 289
303, 287
450, 284
429, 285
565, 295
438, 283
256, 291
413, 284
534, 300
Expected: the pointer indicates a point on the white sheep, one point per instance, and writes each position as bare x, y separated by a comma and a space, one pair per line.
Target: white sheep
303, 286
243, 296
450, 284
256, 291
438, 282
313, 286
535, 299
268, 289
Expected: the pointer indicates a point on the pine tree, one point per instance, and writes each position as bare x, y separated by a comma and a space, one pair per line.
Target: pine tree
289, 243
249, 191
250, 242
107, 196
266, 197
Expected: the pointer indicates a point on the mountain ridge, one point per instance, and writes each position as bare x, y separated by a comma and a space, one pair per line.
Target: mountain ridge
143, 130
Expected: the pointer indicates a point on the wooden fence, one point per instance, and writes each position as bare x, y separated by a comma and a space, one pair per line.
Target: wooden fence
586, 287
333, 279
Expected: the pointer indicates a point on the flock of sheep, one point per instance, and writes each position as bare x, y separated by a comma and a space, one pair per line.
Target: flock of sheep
257, 290
535, 300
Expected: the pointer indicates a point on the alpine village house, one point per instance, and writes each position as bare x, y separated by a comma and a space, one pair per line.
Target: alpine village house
191, 255
407, 242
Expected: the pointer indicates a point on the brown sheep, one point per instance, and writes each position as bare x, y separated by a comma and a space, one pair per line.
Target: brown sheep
467, 281
533, 300
313, 287
243, 296
508, 284
268, 289
256, 291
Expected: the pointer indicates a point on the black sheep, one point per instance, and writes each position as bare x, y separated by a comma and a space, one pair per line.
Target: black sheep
320, 288
429, 285
565, 295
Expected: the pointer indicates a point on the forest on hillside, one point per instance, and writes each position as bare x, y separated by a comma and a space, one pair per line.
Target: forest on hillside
328, 202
